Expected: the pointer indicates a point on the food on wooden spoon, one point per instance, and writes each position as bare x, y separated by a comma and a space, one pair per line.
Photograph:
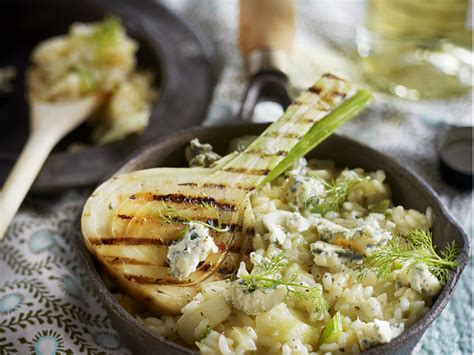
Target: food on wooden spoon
138, 224
95, 57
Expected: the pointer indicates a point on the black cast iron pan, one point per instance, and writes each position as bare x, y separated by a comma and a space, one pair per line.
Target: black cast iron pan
180, 57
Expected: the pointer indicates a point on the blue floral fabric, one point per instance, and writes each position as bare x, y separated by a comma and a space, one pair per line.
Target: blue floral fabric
46, 303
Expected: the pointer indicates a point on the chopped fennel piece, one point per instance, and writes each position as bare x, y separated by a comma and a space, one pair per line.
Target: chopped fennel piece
379, 207
332, 331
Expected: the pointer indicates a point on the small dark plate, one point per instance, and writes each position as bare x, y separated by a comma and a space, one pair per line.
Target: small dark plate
178, 55
408, 189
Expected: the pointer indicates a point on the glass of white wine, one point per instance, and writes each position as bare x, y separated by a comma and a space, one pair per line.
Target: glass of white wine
418, 49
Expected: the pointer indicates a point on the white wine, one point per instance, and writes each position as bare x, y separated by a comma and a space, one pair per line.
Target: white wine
418, 49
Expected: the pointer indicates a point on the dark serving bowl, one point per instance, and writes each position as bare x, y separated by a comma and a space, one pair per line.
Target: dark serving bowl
408, 189
178, 55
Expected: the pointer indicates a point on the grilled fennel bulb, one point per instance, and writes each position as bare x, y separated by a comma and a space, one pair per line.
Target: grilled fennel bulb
122, 228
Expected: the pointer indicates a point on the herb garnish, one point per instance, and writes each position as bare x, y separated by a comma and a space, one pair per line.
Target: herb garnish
106, 35
333, 198
269, 277
417, 247
171, 214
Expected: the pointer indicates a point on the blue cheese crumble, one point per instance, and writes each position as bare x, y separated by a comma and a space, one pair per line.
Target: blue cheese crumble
329, 231
377, 332
281, 223
301, 188
201, 154
253, 301
363, 238
369, 236
185, 255
333, 256
419, 278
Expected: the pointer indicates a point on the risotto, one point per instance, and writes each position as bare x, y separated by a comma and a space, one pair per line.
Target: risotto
313, 227
95, 57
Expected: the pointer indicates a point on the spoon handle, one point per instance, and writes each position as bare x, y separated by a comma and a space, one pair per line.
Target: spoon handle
23, 174
266, 34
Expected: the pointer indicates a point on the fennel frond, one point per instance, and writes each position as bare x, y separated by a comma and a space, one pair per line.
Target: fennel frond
334, 196
417, 247
171, 214
269, 277
106, 34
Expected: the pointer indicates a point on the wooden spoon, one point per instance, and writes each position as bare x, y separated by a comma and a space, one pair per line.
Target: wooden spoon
267, 29
49, 123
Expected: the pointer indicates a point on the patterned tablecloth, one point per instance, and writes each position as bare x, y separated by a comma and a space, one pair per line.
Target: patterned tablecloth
46, 303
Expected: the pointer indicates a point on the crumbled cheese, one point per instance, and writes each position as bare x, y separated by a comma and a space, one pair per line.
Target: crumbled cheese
376, 332
299, 167
329, 231
253, 301
369, 236
201, 155
280, 223
185, 255
333, 256
363, 239
301, 188
419, 278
